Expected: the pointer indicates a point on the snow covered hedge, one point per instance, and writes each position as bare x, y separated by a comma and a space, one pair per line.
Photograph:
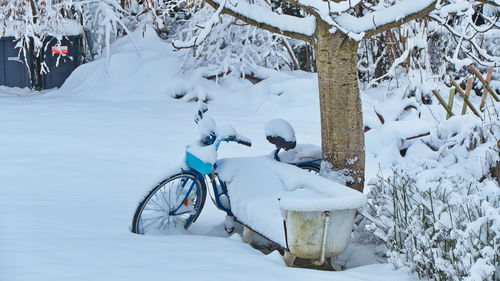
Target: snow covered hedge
441, 217
442, 229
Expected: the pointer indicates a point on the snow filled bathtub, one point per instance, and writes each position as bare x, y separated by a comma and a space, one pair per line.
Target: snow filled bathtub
309, 216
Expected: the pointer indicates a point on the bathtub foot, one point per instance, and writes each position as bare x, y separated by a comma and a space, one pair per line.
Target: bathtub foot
289, 259
318, 262
247, 235
229, 224
336, 267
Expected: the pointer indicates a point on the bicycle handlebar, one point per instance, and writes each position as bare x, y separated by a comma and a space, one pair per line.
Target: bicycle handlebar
225, 133
246, 143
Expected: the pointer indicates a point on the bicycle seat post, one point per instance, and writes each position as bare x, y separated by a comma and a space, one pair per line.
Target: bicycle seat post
276, 157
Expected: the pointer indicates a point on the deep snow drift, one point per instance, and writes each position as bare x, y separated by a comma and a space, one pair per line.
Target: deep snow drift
76, 161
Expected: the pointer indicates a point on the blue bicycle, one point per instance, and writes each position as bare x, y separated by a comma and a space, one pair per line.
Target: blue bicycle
178, 200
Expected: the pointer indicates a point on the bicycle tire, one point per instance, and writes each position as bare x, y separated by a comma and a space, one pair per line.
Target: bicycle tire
311, 168
193, 200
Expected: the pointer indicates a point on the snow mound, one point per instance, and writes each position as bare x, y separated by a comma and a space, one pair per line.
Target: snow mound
206, 127
301, 153
130, 73
303, 199
206, 153
280, 128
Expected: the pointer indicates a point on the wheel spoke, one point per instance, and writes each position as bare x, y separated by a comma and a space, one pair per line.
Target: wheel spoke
168, 222
147, 219
144, 227
165, 199
162, 222
183, 213
150, 209
159, 211
170, 197
179, 190
156, 203
177, 219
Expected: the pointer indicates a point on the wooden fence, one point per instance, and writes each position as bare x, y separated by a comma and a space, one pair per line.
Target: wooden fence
464, 93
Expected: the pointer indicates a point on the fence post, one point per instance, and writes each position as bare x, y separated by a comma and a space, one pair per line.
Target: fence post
468, 88
466, 99
486, 84
485, 91
442, 102
451, 97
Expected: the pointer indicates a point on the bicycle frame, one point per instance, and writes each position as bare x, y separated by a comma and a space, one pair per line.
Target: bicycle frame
219, 187
200, 173
198, 176
314, 163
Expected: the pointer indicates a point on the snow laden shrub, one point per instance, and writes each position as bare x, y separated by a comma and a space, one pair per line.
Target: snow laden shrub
446, 228
441, 217
468, 145
222, 44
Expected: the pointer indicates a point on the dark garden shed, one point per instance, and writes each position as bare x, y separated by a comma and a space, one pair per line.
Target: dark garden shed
22, 68
61, 57
16, 68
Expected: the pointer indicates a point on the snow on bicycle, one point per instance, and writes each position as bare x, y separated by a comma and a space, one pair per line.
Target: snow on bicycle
262, 193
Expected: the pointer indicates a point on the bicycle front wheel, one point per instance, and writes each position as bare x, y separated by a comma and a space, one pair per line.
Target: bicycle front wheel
174, 203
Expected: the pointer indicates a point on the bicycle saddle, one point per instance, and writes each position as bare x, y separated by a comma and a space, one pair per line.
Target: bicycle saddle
280, 133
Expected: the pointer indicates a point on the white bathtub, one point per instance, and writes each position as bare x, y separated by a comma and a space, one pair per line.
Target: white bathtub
318, 226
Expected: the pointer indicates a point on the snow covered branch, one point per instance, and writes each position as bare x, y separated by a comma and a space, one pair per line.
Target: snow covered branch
262, 17
206, 28
221, 44
386, 18
469, 33
494, 3
323, 10
334, 13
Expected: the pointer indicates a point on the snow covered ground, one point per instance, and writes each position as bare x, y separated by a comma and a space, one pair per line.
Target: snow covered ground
74, 163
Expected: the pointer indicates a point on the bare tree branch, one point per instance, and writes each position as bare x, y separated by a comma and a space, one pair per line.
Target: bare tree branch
295, 62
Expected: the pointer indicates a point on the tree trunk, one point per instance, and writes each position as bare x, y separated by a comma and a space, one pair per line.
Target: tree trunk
341, 117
